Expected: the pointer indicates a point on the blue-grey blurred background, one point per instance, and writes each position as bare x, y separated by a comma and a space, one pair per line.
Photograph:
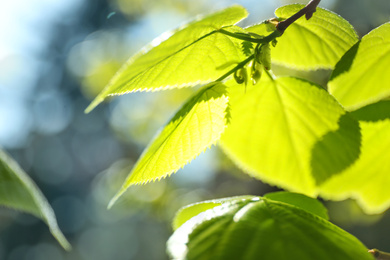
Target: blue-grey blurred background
55, 56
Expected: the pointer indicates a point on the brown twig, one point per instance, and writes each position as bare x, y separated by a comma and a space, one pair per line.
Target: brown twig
379, 255
308, 11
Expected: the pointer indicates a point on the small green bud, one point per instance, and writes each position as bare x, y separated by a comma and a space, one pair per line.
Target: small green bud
265, 55
256, 72
241, 76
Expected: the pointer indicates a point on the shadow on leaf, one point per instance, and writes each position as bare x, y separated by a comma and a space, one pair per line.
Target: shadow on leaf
373, 112
337, 150
345, 62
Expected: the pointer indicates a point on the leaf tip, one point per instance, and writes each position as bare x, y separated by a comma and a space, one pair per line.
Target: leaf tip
93, 104
56, 232
65, 244
115, 198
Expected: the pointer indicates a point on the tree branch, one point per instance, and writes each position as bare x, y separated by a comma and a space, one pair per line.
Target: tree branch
379, 255
308, 11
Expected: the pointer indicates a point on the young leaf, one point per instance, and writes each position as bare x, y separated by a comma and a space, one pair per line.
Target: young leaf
247, 48
276, 124
194, 128
193, 54
301, 201
359, 77
189, 211
367, 179
265, 229
310, 44
18, 191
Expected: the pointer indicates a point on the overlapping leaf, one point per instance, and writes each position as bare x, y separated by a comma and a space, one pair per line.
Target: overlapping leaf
192, 55
362, 75
18, 191
310, 44
264, 228
195, 127
279, 129
368, 178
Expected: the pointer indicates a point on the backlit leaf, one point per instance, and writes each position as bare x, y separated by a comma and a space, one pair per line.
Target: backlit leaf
194, 128
362, 75
310, 44
194, 54
278, 132
19, 192
262, 229
367, 180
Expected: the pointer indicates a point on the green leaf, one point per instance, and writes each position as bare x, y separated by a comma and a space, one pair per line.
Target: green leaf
263, 229
275, 127
359, 77
317, 43
301, 201
367, 180
194, 54
19, 192
194, 128
189, 211
247, 48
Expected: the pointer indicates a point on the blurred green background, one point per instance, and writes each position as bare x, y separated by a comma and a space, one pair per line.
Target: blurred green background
55, 56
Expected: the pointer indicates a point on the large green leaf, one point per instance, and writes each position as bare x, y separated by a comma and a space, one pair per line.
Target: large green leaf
278, 133
193, 54
262, 229
310, 44
194, 128
362, 75
18, 191
368, 179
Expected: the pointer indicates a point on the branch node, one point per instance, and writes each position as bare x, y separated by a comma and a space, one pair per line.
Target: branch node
308, 11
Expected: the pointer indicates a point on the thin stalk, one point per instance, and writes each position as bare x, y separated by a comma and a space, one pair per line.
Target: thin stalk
238, 36
265, 39
239, 66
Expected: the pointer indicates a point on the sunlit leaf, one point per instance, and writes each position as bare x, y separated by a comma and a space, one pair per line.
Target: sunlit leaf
19, 192
368, 179
362, 75
189, 211
278, 129
310, 44
262, 229
193, 54
301, 201
194, 128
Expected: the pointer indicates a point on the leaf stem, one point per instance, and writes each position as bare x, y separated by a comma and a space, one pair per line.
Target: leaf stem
265, 39
239, 66
308, 11
379, 255
238, 36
